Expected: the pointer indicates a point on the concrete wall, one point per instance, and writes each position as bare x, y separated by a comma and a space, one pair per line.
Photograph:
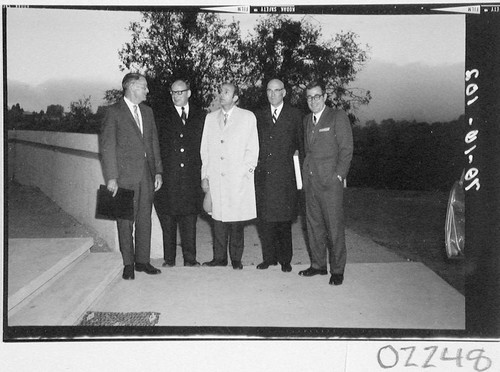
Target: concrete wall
66, 168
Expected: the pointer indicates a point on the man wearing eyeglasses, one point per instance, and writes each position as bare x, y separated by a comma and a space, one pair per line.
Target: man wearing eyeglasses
328, 148
178, 202
131, 160
229, 153
280, 135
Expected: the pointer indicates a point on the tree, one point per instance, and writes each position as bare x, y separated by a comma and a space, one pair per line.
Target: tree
15, 116
55, 111
81, 109
294, 52
112, 96
80, 115
200, 47
204, 49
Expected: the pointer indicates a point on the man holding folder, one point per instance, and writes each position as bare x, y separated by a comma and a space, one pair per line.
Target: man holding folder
131, 160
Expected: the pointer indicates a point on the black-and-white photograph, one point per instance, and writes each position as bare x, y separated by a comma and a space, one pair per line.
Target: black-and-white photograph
240, 171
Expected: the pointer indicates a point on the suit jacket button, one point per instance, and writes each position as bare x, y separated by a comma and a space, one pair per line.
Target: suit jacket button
182, 165
182, 150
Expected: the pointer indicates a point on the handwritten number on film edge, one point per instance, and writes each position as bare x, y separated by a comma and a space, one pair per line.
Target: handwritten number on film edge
471, 90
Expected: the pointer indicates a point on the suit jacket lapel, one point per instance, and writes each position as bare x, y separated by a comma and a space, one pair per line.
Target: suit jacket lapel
311, 130
322, 123
130, 118
323, 119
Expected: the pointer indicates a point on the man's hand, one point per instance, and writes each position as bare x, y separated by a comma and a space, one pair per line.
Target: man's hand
158, 182
204, 185
113, 186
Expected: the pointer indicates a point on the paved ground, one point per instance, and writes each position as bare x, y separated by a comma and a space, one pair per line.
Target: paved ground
31, 214
380, 290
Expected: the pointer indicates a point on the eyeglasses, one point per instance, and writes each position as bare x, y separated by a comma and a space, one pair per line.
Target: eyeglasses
275, 91
314, 98
178, 92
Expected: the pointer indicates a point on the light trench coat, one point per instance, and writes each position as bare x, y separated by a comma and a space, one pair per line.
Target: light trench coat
229, 156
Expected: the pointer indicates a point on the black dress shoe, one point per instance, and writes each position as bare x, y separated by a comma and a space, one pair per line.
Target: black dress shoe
215, 263
286, 268
128, 272
337, 279
237, 265
168, 264
312, 271
191, 263
147, 268
264, 265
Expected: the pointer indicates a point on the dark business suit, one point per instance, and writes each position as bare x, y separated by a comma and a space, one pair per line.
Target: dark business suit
275, 184
133, 159
328, 148
179, 200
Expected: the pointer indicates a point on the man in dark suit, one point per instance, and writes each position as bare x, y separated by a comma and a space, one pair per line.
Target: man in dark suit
328, 148
280, 136
131, 160
179, 201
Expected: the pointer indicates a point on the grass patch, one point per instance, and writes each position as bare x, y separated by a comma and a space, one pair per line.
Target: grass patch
409, 223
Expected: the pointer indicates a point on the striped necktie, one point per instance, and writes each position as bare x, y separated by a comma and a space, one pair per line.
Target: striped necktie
275, 116
183, 116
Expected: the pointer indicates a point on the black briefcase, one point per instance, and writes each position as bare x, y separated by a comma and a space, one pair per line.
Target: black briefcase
120, 206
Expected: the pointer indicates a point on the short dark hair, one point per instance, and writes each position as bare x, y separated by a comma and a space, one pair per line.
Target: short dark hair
317, 83
185, 81
130, 78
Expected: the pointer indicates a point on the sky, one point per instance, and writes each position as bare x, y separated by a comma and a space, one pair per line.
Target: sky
415, 69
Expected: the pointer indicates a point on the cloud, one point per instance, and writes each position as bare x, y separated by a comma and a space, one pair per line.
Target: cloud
412, 92
60, 92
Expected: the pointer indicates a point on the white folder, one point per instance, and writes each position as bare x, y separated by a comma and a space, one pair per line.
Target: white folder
298, 174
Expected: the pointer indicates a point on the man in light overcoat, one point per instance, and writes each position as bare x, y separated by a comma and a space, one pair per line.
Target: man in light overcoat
229, 152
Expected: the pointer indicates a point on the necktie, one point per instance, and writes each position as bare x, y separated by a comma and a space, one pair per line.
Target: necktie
314, 119
183, 116
225, 119
275, 116
136, 117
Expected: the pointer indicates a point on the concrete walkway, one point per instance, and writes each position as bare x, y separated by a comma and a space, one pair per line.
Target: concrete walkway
374, 295
380, 289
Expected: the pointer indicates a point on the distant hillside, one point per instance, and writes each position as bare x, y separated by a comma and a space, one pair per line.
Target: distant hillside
411, 92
